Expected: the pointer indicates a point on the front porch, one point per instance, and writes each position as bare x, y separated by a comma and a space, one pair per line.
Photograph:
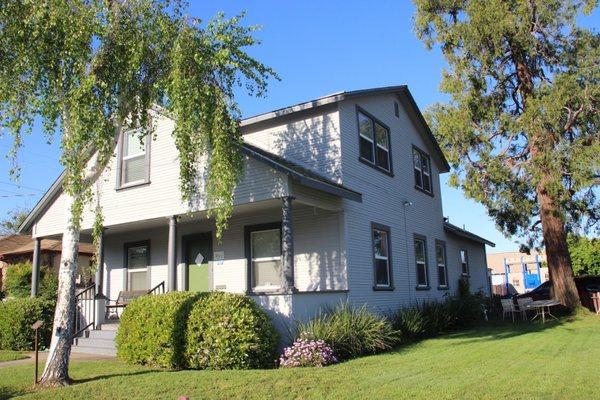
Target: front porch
272, 250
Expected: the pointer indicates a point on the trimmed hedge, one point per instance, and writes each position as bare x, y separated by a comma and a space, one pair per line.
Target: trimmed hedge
152, 330
16, 317
229, 331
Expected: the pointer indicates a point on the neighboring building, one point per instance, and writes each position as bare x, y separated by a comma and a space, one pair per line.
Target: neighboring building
340, 201
15, 249
515, 272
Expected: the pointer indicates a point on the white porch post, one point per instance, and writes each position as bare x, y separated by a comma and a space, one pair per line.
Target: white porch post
287, 245
100, 297
172, 254
35, 269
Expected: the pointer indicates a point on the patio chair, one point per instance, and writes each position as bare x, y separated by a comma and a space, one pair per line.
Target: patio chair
123, 299
522, 303
508, 307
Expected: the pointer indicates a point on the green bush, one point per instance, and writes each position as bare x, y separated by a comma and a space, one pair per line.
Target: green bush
352, 332
229, 331
152, 330
410, 324
16, 317
18, 281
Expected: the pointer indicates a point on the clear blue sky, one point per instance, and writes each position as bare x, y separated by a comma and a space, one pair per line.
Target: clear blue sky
317, 47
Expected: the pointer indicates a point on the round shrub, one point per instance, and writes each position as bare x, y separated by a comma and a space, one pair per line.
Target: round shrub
16, 317
352, 332
229, 331
152, 330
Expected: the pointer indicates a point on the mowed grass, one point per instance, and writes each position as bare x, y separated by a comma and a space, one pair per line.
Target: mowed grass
9, 355
520, 361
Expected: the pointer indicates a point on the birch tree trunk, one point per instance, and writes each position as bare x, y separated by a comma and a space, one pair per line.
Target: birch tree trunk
56, 372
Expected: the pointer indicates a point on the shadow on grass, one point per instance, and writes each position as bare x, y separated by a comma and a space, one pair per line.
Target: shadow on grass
501, 330
109, 376
8, 393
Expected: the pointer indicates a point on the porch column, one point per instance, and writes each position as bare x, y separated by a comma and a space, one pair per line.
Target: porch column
100, 266
172, 254
100, 297
35, 270
287, 245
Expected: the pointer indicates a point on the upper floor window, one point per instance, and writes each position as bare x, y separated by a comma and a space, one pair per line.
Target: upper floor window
374, 140
381, 256
133, 159
464, 262
440, 257
421, 262
422, 168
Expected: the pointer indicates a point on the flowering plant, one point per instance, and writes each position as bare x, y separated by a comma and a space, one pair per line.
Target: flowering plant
307, 352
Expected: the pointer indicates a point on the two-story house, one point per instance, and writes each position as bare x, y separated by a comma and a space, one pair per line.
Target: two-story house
339, 201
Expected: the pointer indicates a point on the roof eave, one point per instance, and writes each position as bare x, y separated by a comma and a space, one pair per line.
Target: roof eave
466, 234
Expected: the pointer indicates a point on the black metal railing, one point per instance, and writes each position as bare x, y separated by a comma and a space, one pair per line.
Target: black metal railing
158, 289
85, 310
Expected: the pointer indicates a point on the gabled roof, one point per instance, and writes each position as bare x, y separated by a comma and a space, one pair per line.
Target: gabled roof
401, 90
300, 174
448, 227
22, 244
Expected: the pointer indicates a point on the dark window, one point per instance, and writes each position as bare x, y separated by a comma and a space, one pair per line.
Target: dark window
440, 258
464, 262
381, 256
422, 169
133, 159
396, 110
265, 256
374, 140
421, 262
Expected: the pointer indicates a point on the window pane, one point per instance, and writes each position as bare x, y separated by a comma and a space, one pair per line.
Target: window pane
420, 251
134, 169
381, 136
417, 160
418, 179
439, 254
442, 275
425, 164
382, 276
266, 244
380, 243
267, 273
426, 183
365, 126
132, 144
383, 158
421, 275
137, 257
366, 149
137, 280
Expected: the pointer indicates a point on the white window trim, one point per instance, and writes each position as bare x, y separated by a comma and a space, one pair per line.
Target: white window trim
422, 263
443, 265
465, 262
373, 141
122, 158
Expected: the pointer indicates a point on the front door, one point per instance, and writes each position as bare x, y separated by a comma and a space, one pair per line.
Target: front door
198, 252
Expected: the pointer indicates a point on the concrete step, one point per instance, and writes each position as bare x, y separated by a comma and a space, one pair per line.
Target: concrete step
94, 350
102, 334
110, 326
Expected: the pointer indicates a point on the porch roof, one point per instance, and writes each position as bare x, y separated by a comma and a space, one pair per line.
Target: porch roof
448, 227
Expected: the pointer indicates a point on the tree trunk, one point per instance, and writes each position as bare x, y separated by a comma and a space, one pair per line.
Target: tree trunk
560, 270
56, 372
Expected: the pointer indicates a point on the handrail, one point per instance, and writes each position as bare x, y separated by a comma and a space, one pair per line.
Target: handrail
88, 294
158, 289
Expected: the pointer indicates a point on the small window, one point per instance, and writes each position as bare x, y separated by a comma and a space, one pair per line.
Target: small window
440, 257
137, 259
421, 262
381, 257
516, 282
265, 258
464, 262
396, 110
374, 140
134, 159
422, 170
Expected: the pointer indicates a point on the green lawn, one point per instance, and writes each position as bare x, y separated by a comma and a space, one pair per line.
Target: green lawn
555, 361
9, 355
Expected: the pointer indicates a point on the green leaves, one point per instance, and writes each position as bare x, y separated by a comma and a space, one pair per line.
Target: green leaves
524, 83
92, 69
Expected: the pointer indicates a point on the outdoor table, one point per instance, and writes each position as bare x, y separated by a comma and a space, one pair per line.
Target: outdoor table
542, 308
